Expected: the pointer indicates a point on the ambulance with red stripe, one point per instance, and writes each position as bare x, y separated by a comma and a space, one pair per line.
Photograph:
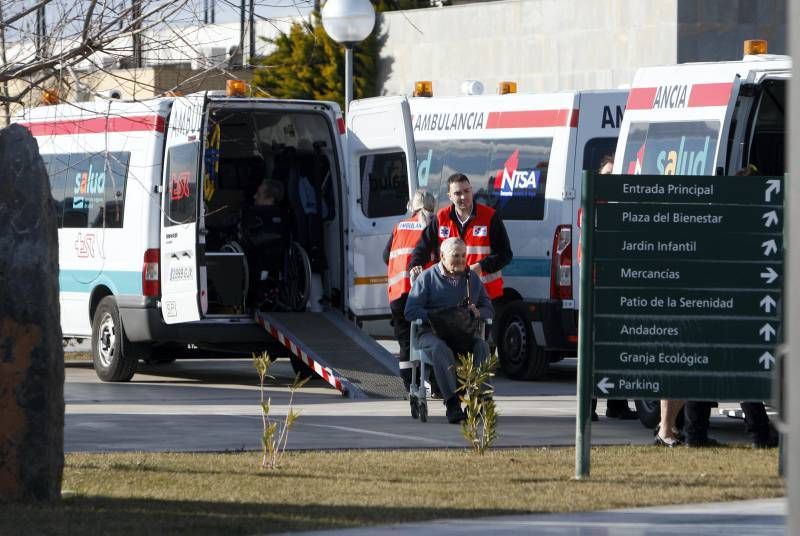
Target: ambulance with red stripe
706, 119
150, 198
524, 155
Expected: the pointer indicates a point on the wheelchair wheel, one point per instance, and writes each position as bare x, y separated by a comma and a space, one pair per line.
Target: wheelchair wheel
423, 411
296, 285
414, 408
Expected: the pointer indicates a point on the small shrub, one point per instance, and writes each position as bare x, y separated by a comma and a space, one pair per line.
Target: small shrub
480, 427
275, 434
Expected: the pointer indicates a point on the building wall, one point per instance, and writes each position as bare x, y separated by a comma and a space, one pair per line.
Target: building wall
714, 30
550, 45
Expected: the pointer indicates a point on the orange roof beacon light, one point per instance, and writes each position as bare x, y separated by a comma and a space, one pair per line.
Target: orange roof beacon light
423, 88
755, 46
504, 88
50, 97
235, 88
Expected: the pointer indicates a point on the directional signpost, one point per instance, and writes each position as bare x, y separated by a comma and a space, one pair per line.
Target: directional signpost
681, 289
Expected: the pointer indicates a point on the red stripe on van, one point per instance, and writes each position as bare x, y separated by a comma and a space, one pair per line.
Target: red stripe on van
641, 98
710, 94
97, 125
533, 119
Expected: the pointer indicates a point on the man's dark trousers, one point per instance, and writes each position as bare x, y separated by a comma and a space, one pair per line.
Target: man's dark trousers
402, 331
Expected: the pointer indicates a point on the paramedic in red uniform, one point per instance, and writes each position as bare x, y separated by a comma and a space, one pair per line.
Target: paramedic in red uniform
479, 226
396, 255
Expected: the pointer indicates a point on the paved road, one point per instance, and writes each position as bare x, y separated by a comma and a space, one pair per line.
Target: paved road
212, 405
747, 518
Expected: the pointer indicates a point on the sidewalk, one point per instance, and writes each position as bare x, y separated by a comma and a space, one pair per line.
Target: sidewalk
766, 517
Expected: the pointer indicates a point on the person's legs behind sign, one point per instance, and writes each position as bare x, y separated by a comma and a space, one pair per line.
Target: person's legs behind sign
667, 431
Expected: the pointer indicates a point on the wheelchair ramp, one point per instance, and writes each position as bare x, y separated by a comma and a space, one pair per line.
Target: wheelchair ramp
337, 351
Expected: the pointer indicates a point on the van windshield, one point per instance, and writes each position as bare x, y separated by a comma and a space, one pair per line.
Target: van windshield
674, 148
509, 175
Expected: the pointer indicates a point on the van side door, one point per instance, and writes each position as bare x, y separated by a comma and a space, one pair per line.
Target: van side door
181, 195
380, 160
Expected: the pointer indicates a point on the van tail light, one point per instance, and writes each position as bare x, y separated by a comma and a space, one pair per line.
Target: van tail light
151, 280
561, 270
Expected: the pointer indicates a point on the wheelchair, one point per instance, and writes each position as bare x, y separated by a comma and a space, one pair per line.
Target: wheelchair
420, 367
282, 278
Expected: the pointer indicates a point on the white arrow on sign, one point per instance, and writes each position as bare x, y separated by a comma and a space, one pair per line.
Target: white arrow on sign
605, 385
767, 331
771, 217
767, 302
766, 360
769, 247
770, 275
773, 187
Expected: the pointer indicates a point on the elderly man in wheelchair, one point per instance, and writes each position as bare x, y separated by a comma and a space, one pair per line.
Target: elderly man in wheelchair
448, 305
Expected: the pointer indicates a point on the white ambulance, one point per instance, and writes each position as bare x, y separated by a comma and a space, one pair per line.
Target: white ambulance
524, 155
706, 119
151, 198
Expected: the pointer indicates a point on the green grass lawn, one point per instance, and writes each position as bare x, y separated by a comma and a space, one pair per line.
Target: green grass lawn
150, 493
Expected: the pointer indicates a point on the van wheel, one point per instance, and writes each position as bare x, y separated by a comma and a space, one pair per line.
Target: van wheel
649, 412
112, 360
520, 357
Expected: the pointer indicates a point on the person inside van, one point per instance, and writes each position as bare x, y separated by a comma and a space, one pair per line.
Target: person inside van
479, 226
449, 283
396, 255
265, 234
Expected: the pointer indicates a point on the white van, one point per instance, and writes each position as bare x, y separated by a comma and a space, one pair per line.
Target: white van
151, 196
524, 155
705, 119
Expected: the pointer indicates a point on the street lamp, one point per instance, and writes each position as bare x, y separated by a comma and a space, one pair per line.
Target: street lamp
348, 22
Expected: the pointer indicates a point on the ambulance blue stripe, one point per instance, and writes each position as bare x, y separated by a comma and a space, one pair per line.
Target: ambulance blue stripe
527, 267
85, 280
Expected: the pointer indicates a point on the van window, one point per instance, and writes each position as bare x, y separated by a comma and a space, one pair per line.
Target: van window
57, 165
675, 148
384, 184
88, 188
509, 175
181, 189
594, 151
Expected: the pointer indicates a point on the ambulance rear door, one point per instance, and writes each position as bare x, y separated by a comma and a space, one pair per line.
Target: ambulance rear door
677, 120
181, 209
381, 158
600, 116
760, 136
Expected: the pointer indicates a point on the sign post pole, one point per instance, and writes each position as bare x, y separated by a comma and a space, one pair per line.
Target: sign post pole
583, 424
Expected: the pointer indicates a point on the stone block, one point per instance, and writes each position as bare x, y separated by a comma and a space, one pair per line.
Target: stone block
31, 353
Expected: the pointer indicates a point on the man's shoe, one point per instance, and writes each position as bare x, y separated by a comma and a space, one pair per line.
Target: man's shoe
625, 414
706, 442
455, 414
595, 418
